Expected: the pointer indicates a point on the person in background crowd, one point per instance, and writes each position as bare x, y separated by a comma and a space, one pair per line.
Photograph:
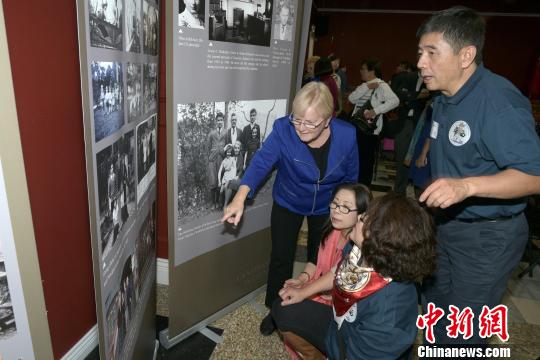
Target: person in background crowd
309, 74
417, 157
382, 100
313, 153
324, 73
408, 87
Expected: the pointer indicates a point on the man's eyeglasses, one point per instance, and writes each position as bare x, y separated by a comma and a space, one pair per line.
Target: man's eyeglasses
307, 124
342, 208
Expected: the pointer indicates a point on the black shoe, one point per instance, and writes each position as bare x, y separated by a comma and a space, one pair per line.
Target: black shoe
267, 326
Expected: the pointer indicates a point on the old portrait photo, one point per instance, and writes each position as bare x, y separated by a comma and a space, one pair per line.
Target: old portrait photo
150, 84
134, 91
133, 26
105, 23
120, 311
150, 27
108, 98
7, 317
284, 20
145, 246
146, 154
191, 13
116, 189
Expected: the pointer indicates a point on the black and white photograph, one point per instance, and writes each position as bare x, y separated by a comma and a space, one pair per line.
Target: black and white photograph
108, 98
145, 248
150, 27
240, 21
150, 83
8, 327
216, 142
116, 189
133, 26
146, 154
284, 20
191, 13
134, 91
106, 23
121, 310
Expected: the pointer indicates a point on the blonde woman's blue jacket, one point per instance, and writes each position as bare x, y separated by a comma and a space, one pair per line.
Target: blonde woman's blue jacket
298, 185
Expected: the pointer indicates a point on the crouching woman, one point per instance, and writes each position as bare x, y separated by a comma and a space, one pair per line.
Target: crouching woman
374, 295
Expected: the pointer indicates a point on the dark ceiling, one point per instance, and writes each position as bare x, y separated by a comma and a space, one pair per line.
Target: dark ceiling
530, 7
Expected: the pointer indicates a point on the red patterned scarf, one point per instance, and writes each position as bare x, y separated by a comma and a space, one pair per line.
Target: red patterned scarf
353, 283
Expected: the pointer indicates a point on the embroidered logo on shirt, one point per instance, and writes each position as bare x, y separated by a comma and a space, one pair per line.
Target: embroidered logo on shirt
459, 133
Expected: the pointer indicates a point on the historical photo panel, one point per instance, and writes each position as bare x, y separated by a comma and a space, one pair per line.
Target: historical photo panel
108, 98
133, 26
8, 326
116, 189
191, 13
123, 305
146, 155
284, 20
134, 91
239, 21
105, 21
216, 142
150, 82
150, 27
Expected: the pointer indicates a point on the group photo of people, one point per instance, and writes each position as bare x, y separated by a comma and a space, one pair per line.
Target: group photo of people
124, 305
145, 248
108, 97
216, 142
116, 189
121, 308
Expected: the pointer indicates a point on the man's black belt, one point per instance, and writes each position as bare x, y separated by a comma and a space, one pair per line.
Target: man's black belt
481, 220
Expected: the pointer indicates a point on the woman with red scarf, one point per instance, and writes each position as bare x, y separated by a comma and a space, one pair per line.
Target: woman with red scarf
375, 302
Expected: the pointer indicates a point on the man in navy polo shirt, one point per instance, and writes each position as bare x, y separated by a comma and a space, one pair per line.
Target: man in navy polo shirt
485, 157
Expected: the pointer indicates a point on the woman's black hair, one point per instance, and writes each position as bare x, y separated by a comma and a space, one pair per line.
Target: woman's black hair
363, 198
373, 65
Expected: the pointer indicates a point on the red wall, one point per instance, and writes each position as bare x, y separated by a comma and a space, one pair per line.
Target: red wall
512, 43
42, 40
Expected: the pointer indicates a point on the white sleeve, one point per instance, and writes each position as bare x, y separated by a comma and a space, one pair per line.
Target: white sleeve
358, 93
387, 99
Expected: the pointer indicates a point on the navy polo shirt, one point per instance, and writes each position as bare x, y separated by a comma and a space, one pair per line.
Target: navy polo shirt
486, 127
